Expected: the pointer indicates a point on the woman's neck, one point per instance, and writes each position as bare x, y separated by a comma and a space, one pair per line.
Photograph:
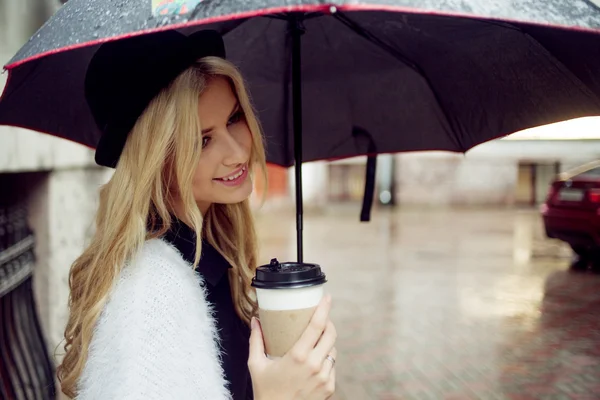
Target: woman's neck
181, 215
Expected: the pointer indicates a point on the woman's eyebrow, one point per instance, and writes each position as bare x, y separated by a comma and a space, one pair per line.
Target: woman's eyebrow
235, 109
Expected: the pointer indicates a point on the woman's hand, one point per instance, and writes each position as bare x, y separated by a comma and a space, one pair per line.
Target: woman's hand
304, 372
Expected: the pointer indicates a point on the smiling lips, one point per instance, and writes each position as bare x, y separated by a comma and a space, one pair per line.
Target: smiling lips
235, 179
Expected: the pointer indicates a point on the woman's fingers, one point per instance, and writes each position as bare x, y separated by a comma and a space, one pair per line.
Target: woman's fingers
326, 342
257, 345
327, 374
330, 388
328, 366
313, 332
321, 383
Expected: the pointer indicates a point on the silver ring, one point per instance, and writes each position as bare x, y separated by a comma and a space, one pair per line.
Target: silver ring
331, 359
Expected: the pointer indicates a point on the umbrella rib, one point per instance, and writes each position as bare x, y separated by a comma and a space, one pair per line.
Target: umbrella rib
344, 19
375, 40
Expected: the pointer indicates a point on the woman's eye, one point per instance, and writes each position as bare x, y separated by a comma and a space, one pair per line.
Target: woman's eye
235, 118
205, 140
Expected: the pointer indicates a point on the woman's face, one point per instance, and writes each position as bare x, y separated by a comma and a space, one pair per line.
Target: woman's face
222, 174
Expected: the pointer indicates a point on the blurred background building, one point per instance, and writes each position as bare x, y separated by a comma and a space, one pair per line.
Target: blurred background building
50, 185
511, 172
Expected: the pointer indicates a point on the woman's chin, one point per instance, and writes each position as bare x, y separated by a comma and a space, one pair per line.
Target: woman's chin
237, 195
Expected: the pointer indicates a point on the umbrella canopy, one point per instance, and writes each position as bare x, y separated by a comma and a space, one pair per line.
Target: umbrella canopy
415, 75
333, 80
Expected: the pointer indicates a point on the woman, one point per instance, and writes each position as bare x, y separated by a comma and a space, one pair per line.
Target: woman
161, 299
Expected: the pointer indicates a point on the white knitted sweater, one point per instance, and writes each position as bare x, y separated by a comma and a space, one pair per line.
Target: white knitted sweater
156, 337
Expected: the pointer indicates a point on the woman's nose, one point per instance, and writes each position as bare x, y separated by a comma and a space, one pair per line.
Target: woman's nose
235, 151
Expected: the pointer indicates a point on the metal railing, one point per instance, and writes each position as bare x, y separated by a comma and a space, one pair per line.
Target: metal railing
26, 371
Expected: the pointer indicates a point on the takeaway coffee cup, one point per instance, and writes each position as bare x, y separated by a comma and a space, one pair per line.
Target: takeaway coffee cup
288, 294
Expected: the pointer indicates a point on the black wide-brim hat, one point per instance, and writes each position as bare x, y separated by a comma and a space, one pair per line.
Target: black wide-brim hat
125, 75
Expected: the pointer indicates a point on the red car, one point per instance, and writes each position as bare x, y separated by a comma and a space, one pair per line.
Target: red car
572, 211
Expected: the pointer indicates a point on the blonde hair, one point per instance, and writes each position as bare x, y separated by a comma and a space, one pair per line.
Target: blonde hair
161, 152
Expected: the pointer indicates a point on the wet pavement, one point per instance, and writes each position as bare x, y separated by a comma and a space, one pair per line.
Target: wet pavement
436, 304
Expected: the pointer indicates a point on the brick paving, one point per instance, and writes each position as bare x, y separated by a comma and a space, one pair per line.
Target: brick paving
451, 304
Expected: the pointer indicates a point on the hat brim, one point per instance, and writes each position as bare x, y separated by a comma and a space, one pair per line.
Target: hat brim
125, 75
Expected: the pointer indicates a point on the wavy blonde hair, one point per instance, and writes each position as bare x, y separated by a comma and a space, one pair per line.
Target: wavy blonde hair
161, 153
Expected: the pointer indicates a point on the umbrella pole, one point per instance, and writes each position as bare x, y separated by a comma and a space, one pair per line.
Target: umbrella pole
297, 30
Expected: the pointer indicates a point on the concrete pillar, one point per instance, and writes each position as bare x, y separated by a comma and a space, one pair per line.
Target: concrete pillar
62, 206
314, 184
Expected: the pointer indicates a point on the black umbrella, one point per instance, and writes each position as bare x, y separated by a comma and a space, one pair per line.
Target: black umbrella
344, 79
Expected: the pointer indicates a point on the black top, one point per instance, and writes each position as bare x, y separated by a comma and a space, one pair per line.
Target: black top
233, 332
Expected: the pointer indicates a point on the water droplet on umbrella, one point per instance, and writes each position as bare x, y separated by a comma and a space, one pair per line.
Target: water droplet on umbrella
95, 35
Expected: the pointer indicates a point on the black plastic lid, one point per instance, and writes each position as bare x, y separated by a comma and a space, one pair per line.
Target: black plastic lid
288, 275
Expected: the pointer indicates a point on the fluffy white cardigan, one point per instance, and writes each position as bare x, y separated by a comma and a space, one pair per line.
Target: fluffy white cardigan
156, 337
